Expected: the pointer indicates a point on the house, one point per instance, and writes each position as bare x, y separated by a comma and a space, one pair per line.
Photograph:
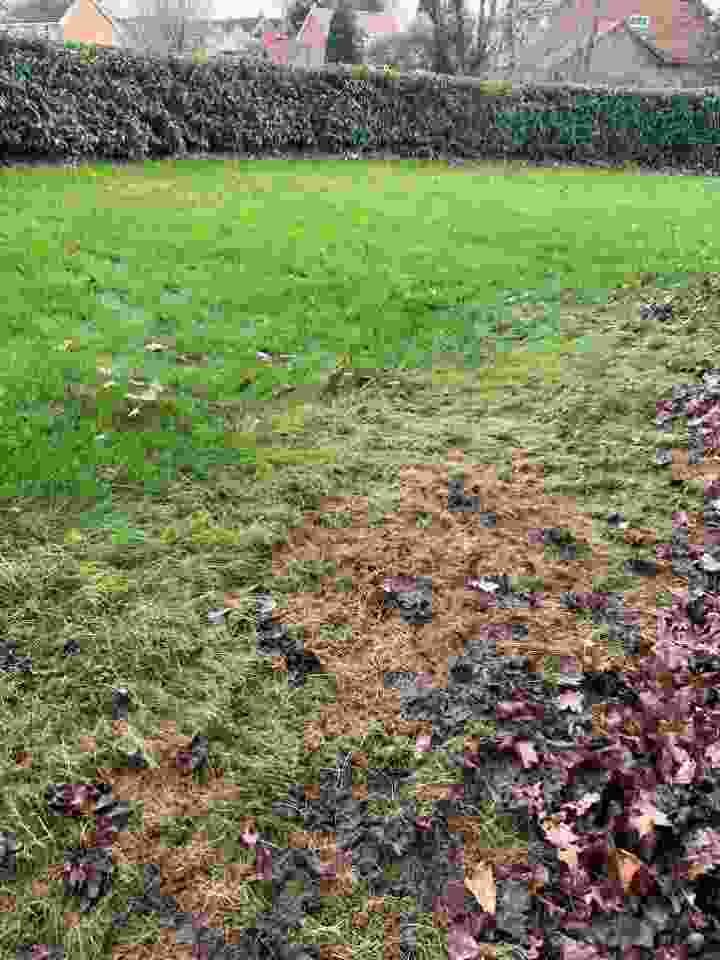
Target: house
308, 48
87, 21
60, 20
379, 25
630, 42
215, 37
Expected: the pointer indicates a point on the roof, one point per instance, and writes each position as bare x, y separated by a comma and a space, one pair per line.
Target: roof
380, 24
572, 22
228, 24
200, 29
313, 32
316, 25
248, 24
41, 11
52, 11
315, 29
662, 55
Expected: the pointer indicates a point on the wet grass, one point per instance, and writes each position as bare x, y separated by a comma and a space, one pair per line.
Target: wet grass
150, 462
177, 273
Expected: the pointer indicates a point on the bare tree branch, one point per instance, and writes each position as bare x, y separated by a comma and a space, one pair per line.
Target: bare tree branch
709, 45
518, 29
589, 44
496, 33
165, 27
486, 22
441, 41
445, 37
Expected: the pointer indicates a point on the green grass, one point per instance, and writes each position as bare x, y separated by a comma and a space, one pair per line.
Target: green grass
488, 287
382, 265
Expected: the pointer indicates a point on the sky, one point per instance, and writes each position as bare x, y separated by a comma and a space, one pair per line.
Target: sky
244, 8
230, 8
250, 8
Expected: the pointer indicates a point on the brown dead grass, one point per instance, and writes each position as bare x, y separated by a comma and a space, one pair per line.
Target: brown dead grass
453, 547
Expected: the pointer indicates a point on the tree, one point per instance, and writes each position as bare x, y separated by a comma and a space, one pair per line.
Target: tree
484, 54
409, 50
364, 6
446, 38
256, 50
584, 50
296, 12
345, 42
295, 15
165, 27
438, 14
499, 35
509, 34
440, 34
709, 46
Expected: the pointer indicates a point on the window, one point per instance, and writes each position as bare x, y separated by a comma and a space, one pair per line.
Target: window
639, 23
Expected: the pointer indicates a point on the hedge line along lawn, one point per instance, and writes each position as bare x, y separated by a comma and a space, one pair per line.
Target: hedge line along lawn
230, 378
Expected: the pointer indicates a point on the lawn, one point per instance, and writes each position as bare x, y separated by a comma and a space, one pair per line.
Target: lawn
377, 265
176, 436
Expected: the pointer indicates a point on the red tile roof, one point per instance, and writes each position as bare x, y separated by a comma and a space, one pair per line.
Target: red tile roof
315, 29
676, 27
